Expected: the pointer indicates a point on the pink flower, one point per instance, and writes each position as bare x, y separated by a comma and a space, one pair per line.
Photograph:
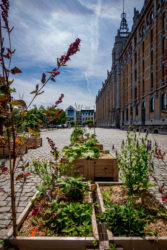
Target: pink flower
35, 211
4, 169
164, 198
27, 174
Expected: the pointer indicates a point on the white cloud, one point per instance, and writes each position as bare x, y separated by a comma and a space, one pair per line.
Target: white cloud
72, 94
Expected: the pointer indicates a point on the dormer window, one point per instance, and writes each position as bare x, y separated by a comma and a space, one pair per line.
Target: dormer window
151, 17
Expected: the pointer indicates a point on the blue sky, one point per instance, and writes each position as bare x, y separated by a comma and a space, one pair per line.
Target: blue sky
43, 31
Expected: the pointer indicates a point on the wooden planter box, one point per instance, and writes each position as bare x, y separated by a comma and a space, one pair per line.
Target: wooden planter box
20, 149
104, 168
33, 142
130, 243
100, 146
47, 243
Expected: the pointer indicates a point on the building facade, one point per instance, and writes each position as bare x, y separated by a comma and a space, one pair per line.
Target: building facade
71, 114
135, 91
87, 114
79, 116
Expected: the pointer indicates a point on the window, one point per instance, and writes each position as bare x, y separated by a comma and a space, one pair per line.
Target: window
151, 36
151, 57
152, 105
135, 75
163, 45
127, 118
135, 94
135, 57
143, 65
143, 85
123, 115
137, 109
143, 29
152, 80
164, 101
151, 17
163, 22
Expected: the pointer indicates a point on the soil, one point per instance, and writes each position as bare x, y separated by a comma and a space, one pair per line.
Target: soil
106, 156
118, 194
29, 226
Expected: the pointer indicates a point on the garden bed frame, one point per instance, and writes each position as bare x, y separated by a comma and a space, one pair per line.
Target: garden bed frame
96, 169
20, 149
130, 243
33, 142
47, 243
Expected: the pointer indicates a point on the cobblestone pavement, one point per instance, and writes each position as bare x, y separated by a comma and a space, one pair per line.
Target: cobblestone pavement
61, 137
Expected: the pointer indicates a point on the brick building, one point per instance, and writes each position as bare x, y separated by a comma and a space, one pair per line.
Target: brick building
135, 91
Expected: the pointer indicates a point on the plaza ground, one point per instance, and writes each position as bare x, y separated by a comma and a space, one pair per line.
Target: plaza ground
61, 138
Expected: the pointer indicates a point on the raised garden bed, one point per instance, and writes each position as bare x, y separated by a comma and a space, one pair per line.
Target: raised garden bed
20, 149
103, 168
33, 142
116, 194
40, 241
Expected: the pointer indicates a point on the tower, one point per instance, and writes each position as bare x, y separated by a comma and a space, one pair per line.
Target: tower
120, 40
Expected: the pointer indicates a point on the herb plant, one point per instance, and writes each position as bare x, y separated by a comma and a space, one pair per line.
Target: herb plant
72, 187
136, 162
68, 219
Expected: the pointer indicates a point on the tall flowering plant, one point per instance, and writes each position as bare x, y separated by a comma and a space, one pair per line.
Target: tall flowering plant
7, 101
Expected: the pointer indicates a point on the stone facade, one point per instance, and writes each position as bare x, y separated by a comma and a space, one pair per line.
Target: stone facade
135, 91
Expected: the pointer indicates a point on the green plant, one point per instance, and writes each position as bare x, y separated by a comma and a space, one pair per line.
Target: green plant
68, 219
78, 150
72, 123
128, 219
47, 171
136, 162
72, 187
112, 245
77, 134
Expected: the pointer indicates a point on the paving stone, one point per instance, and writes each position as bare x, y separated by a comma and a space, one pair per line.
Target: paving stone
4, 209
3, 203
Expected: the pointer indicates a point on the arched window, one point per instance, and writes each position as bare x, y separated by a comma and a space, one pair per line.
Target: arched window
164, 101
152, 106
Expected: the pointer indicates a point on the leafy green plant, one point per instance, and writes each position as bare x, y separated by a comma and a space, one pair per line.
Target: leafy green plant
128, 219
68, 219
78, 150
136, 162
72, 187
77, 134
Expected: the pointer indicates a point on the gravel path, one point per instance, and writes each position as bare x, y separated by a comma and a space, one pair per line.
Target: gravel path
61, 137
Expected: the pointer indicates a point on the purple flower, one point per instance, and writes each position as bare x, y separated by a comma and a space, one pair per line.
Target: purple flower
146, 132
148, 146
